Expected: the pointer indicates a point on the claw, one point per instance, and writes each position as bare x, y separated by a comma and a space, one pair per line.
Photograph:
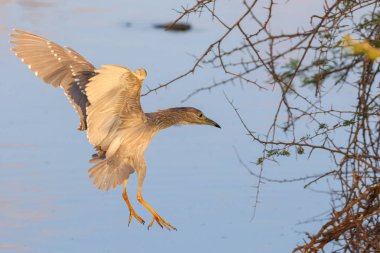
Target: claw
137, 217
151, 223
131, 210
162, 223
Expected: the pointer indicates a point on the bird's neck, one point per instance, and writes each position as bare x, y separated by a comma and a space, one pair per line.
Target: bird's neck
166, 118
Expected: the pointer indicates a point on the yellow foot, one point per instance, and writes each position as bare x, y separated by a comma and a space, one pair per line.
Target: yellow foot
131, 210
160, 221
134, 214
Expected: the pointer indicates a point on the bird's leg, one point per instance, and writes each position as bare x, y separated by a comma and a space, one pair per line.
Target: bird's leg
131, 210
160, 221
156, 217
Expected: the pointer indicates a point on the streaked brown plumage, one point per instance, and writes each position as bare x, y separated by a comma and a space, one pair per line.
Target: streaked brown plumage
108, 103
60, 67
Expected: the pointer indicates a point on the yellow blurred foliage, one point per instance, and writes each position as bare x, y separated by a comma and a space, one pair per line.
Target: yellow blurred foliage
362, 47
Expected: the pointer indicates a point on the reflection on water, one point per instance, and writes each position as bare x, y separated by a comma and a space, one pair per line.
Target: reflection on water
12, 165
3, 2
34, 3
7, 247
47, 202
15, 145
27, 3
93, 9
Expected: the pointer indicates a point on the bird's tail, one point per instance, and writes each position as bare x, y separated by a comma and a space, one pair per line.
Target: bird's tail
108, 174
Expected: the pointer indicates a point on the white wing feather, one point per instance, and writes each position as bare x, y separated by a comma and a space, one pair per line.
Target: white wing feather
114, 96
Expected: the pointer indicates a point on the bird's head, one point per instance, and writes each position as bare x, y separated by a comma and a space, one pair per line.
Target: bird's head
190, 115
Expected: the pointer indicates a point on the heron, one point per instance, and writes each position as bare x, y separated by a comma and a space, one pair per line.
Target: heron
107, 101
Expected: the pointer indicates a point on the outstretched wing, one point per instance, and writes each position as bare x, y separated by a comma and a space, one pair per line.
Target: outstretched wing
114, 96
57, 66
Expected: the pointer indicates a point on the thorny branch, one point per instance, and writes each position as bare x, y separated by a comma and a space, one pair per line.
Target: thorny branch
306, 68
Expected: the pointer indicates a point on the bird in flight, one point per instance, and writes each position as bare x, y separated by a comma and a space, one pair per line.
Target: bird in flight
108, 103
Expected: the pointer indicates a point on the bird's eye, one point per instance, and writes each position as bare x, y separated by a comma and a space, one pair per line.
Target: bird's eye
200, 115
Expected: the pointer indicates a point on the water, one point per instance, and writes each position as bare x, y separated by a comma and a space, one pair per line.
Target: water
194, 179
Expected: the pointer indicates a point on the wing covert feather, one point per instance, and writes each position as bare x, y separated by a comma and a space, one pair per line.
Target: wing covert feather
58, 66
114, 96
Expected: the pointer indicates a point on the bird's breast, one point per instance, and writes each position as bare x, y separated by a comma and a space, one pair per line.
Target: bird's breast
137, 140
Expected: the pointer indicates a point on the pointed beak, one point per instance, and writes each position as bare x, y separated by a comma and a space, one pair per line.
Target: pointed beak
211, 123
